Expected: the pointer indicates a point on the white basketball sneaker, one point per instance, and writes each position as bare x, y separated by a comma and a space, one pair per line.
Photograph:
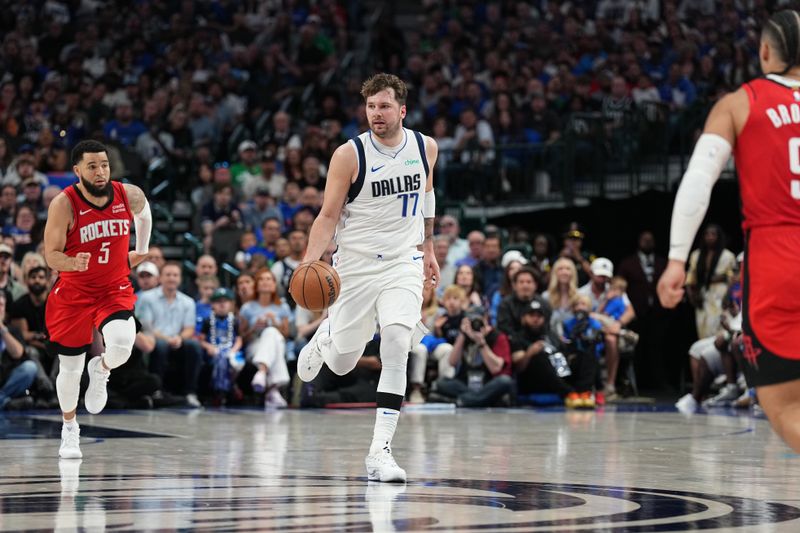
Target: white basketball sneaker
381, 466
70, 442
310, 360
725, 398
687, 404
96, 394
275, 400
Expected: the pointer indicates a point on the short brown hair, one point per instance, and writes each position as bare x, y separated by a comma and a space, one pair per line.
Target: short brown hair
619, 283
383, 81
173, 264
208, 278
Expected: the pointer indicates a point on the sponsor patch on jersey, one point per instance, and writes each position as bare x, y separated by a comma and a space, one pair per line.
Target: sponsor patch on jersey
117, 208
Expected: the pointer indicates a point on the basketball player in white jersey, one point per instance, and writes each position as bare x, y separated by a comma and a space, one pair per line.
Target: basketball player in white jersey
379, 199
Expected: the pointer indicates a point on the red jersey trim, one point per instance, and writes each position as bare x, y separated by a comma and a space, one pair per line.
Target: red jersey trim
74, 222
124, 195
110, 200
751, 100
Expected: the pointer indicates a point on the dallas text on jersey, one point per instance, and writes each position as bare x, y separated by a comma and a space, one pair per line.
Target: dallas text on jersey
396, 185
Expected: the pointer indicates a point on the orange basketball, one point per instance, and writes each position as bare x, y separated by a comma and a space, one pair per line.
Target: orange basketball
314, 286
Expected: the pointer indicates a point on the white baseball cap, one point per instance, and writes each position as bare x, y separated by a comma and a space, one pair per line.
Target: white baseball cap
148, 268
247, 145
512, 255
603, 267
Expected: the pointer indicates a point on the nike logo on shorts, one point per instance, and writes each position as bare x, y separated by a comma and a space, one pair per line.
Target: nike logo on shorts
417, 257
84, 212
375, 169
123, 287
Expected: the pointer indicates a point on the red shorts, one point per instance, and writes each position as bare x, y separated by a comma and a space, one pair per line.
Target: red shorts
72, 312
771, 307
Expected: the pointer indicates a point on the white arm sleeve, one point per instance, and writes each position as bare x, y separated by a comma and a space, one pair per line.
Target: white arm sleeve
710, 155
429, 204
143, 222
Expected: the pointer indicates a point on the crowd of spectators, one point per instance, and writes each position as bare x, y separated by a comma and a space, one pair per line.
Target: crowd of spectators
245, 87
240, 105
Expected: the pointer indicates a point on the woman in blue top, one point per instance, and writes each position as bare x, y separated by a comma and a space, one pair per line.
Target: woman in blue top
265, 328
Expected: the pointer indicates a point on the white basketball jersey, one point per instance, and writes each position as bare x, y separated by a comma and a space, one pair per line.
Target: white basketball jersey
383, 214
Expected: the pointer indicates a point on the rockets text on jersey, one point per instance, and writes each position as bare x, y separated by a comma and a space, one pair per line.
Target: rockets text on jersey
104, 232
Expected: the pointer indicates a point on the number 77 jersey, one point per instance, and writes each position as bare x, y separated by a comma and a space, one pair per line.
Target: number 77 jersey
104, 232
767, 153
383, 214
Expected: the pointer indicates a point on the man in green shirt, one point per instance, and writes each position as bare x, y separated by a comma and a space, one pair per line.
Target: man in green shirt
247, 165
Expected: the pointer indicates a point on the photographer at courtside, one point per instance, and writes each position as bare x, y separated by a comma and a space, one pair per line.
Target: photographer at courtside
482, 359
542, 366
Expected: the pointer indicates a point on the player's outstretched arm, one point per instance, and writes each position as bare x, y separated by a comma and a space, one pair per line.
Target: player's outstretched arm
710, 155
430, 265
340, 175
59, 217
142, 221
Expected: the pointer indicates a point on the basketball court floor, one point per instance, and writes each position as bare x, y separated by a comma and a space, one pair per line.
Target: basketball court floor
622, 469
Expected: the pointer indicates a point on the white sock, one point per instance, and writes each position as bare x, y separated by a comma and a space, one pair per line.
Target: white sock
385, 424
71, 424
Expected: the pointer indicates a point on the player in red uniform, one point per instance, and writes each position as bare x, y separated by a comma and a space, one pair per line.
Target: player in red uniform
761, 121
86, 240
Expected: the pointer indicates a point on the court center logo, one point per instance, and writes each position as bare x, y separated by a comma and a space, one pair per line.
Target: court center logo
232, 502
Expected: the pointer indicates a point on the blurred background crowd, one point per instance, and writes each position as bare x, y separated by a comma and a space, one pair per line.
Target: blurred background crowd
227, 112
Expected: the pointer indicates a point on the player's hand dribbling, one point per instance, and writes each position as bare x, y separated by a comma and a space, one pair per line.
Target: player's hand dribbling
431, 269
81, 261
670, 286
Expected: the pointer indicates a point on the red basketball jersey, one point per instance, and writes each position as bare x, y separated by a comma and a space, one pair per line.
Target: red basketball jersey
767, 153
105, 233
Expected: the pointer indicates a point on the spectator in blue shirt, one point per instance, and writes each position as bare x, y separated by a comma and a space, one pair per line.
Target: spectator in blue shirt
583, 333
265, 327
206, 285
290, 204
678, 90
615, 305
170, 315
124, 128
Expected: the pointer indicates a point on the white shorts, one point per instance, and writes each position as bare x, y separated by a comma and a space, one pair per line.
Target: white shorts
375, 291
704, 349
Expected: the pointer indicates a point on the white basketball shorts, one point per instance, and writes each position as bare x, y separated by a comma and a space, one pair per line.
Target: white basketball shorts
376, 291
